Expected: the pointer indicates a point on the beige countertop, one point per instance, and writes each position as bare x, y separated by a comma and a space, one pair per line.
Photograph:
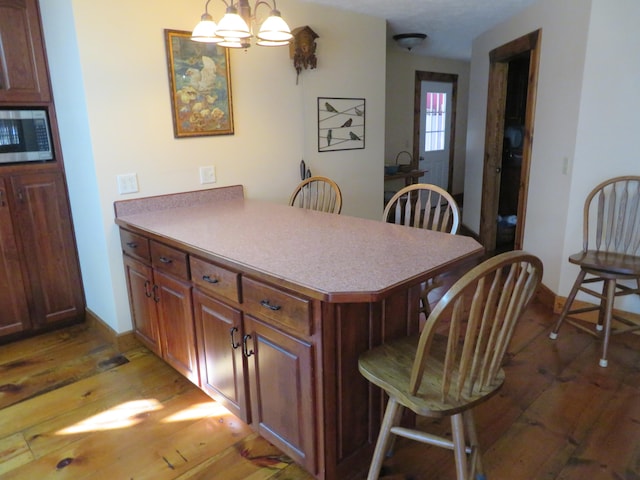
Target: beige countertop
336, 256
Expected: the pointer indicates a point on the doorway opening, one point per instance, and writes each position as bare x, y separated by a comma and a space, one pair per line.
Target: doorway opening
513, 75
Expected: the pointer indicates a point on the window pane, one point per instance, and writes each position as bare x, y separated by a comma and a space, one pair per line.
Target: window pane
435, 118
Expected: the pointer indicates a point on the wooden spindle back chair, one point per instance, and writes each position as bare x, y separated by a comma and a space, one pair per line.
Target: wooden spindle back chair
448, 378
610, 254
317, 193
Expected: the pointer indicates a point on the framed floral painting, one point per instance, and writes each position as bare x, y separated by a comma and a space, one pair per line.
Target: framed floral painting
200, 82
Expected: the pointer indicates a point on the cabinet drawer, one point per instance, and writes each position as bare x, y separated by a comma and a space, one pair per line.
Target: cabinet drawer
135, 245
215, 279
279, 307
169, 260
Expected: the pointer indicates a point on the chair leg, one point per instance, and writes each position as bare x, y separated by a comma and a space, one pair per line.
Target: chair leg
567, 305
459, 446
390, 415
477, 470
610, 286
392, 441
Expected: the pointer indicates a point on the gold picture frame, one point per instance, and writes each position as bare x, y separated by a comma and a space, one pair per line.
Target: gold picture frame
200, 82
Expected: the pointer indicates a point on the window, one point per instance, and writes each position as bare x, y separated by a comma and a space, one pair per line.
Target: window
435, 121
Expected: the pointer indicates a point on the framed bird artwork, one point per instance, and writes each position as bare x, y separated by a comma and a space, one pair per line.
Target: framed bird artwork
200, 82
341, 123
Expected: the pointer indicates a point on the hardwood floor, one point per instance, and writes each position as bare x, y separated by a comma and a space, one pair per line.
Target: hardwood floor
71, 407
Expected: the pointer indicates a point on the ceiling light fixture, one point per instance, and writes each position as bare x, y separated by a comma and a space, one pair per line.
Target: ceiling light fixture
235, 29
409, 40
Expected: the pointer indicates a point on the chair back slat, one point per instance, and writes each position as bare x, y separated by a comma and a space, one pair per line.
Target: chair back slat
480, 312
611, 216
423, 206
317, 193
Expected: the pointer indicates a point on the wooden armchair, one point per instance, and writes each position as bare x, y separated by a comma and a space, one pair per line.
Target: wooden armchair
479, 313
423, 205
317, 193
610, 254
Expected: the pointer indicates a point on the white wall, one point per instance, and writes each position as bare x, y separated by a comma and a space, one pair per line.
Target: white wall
401, 70
587, 70
564, 33
610, 87
111, 87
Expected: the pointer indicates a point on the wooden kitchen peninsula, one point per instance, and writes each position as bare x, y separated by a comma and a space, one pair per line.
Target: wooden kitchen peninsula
267, 307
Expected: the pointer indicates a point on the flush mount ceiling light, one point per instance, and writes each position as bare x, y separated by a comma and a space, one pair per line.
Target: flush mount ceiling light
234, 29
409, 40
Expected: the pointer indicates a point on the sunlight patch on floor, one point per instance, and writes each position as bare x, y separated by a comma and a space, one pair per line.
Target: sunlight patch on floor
197, 411
121, 416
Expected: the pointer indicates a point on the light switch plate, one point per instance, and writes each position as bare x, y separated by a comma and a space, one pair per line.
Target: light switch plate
208, 174
127, 183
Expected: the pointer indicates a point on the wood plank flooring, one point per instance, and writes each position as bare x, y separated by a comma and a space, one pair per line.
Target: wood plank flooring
71, 407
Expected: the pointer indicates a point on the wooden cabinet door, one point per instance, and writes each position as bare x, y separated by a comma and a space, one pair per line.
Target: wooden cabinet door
283, 406
177, 331
14, 312
23, 67
142, 302
222, 366
48, 247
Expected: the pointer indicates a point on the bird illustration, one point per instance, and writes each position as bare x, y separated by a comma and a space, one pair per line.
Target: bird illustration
358, 111
329, 135
354, 136
330, 107
347, 123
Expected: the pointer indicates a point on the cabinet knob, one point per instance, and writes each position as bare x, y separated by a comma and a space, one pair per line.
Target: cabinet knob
1, 198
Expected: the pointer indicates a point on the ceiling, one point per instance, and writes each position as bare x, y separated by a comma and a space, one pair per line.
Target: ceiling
450, 25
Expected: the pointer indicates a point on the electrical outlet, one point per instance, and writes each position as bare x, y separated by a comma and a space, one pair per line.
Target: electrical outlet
127, 183
208, 174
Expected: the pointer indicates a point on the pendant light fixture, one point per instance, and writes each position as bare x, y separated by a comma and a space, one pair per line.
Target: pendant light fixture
234, 30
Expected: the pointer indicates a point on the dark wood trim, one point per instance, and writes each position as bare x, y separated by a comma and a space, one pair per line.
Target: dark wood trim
123, 342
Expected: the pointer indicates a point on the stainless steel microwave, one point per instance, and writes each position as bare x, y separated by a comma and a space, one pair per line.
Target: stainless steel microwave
25, 136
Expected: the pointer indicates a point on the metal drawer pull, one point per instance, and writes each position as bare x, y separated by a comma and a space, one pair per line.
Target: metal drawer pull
156, 298
244, 346
165, 260
208, 279
232, 332
147, 290
132, 245
265, 303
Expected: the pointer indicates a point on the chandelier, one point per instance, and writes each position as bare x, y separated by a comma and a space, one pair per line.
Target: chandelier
234, 29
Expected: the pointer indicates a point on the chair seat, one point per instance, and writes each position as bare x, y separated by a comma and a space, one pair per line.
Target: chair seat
389, 367
610, 262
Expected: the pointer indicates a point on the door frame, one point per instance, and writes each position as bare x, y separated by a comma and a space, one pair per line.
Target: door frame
494, 136
451, 78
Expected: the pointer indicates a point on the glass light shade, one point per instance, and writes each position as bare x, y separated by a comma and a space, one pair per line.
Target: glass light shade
232, 25
271, 43
205, 30
275, 29
234, 43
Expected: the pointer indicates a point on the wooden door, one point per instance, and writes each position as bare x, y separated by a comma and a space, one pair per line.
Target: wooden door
222, 365
283, 406
177, 330
142, 302
48, 247
23, 67
14, 312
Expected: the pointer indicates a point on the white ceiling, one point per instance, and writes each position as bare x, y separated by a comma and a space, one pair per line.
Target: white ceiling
450, 25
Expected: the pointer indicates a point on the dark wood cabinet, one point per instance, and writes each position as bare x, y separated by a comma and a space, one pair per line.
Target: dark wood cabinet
160, 301
13, 299
219, 334
23, 66
281, 378
40, 271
